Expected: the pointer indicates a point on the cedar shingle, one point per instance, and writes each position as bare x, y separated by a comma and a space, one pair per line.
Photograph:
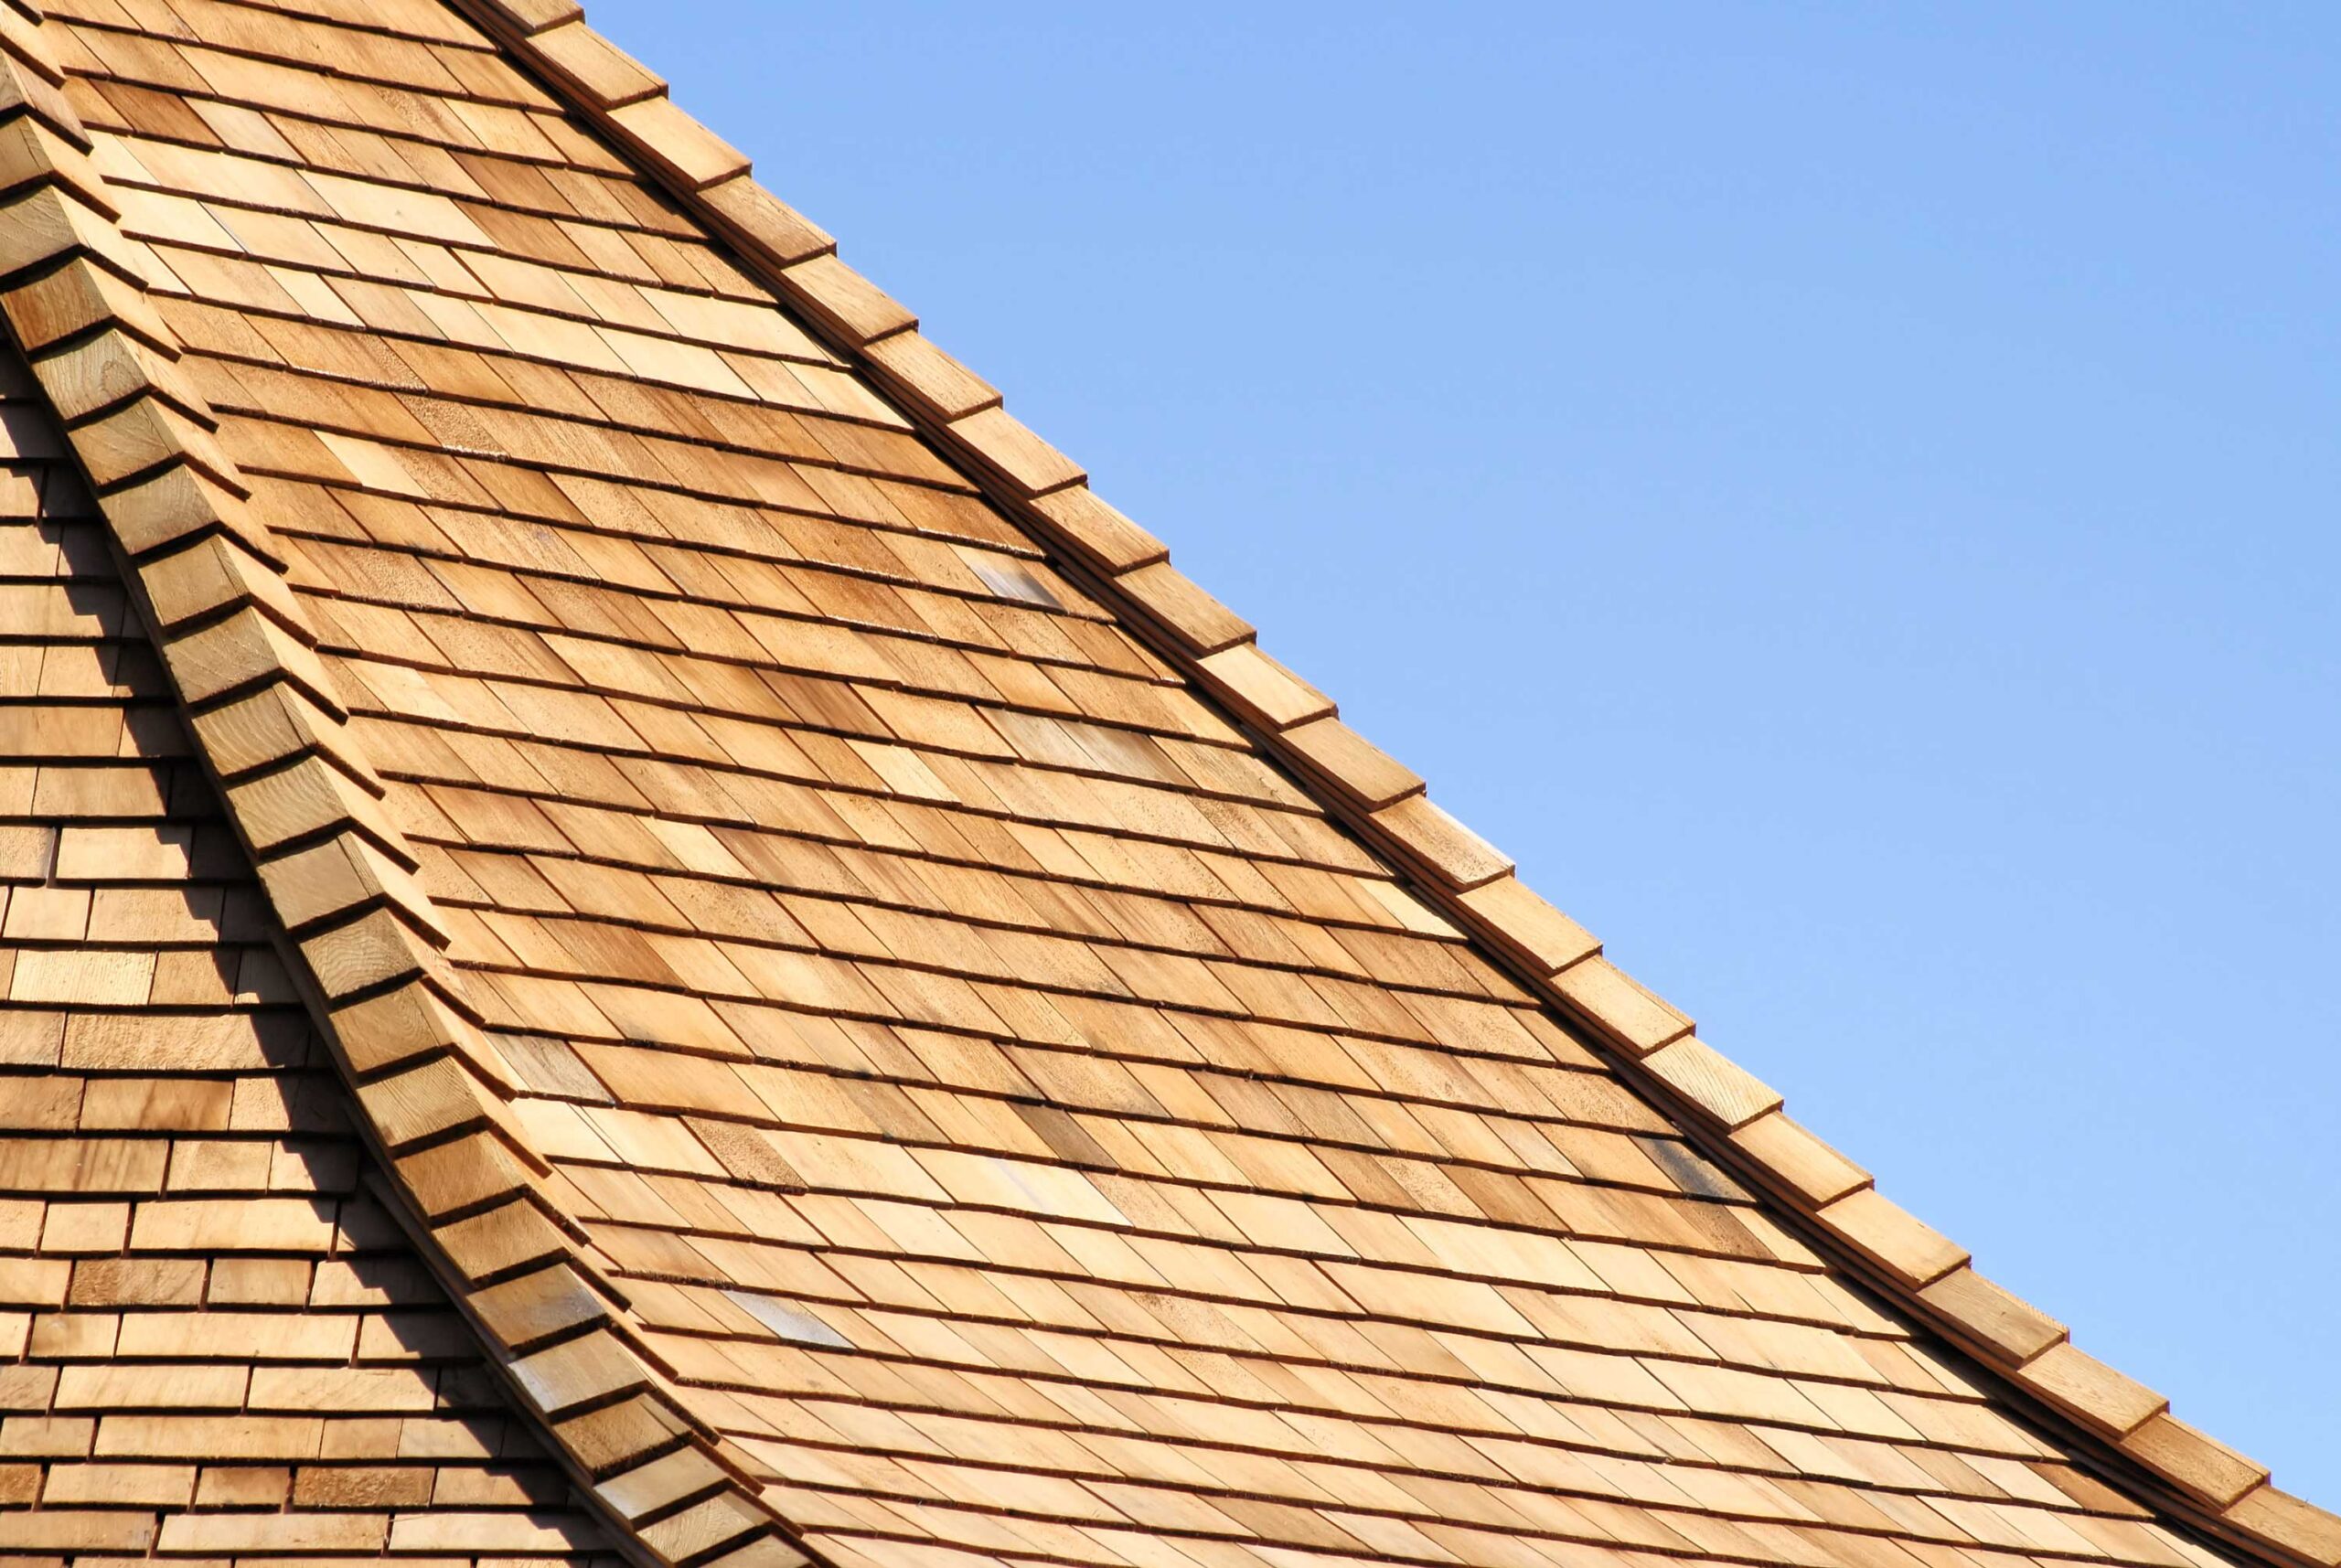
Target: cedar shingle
859, 962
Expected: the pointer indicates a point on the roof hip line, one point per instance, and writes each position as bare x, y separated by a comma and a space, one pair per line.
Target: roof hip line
431, 1092
1739, 1117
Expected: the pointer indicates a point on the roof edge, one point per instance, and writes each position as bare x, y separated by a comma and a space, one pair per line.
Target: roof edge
1737, 1116
429, 1091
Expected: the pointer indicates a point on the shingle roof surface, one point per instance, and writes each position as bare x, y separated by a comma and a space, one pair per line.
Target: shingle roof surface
908, 1037
206, 1309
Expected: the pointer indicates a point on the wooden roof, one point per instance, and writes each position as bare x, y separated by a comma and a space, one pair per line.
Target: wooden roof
635, 925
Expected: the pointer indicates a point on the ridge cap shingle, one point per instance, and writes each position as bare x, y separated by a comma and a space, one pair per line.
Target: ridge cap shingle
1656, 1049
295, 781
429, 1093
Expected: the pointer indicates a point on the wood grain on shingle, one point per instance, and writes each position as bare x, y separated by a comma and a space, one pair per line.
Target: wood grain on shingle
897, 1018
203, 1310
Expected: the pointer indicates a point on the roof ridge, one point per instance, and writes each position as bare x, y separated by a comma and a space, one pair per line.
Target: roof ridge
430, 1090
1655, 1046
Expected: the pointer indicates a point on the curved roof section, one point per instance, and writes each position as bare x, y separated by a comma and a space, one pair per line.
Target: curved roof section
909, 1037
218, 1340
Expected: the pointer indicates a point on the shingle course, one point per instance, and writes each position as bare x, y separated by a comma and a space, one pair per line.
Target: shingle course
912, 1035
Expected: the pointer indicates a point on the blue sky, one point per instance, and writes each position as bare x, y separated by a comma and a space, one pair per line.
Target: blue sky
1844, 494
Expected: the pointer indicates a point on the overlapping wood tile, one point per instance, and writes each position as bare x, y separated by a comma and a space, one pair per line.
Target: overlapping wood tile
1010, 1076
214, 1339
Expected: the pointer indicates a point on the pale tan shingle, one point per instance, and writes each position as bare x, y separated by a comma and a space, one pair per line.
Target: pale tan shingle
915, 1040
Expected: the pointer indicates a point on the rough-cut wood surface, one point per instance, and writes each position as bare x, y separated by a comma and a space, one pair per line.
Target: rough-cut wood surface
876, 1040
213, 1338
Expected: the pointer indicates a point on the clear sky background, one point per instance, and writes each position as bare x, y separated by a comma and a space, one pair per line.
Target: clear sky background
1849, 496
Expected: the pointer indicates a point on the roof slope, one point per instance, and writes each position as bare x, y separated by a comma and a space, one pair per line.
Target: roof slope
203, 1309
912, 1040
